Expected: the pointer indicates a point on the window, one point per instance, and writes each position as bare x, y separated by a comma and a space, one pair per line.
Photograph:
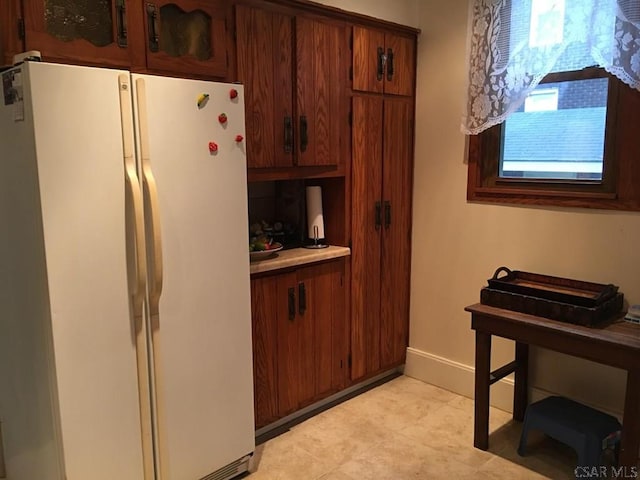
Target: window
572, 140
550, 141
583, 153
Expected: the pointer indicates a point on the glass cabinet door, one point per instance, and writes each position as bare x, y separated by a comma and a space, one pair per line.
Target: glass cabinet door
188, 36
85, 31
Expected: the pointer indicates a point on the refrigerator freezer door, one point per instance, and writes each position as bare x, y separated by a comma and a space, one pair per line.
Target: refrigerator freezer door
77, 126
202, 335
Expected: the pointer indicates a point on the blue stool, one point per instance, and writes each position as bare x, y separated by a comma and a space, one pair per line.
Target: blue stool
586, 430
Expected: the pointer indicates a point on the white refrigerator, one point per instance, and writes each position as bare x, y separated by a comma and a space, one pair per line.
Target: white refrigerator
125, 328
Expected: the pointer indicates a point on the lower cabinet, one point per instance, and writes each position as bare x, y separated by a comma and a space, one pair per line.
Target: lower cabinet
300, 338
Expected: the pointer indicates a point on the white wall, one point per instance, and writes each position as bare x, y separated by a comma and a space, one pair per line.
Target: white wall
458, 245
404, 12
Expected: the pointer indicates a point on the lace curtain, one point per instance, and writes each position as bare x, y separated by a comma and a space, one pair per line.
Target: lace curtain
513, 44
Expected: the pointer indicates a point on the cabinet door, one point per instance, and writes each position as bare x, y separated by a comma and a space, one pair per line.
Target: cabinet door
10, 43
400, 68
264, 49
322, 333
319, 91
368, 64
366, 234
383, 62
81, 31
187, 36
396, 237
288, 351
264, 313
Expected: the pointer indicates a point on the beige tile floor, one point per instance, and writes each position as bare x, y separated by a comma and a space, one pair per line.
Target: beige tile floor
406, 429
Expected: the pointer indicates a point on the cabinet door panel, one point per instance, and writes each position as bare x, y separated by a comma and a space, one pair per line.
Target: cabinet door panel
366, 43
321, 346
366, 235
187, 36
9, 41
264, 49
264, 311
340, 328
92, 32
319, 51
396, 238
400, 72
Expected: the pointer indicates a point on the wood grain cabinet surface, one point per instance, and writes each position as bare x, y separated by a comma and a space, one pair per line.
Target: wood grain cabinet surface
383, 62
293, 68
381, 232
300, 342
181, 37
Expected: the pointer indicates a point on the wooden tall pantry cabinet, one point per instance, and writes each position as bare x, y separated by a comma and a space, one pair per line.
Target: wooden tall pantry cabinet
382, 178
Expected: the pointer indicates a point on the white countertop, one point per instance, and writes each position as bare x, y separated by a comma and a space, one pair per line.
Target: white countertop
297, 256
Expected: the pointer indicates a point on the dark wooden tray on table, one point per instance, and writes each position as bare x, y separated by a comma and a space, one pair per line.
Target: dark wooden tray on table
563, 299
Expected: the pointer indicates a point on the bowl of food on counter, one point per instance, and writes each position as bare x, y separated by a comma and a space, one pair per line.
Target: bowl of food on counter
262, 247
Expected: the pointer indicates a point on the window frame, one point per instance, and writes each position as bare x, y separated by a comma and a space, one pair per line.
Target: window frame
619, 188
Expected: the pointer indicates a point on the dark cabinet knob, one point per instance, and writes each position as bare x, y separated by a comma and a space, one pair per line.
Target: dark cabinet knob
390, 67
292, 303
288, 134
304, 133
152, 27
302, 298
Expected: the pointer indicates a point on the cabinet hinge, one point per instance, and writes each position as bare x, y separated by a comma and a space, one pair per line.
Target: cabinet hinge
21, 29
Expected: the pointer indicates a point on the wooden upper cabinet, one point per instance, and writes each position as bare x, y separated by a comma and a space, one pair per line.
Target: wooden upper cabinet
383, 62
187, 36
90, 31
183, 37
295, 114
264, 50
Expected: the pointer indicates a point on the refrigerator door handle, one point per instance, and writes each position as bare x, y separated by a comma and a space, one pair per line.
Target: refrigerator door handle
138, 284
137, 257
154, 261
150, 192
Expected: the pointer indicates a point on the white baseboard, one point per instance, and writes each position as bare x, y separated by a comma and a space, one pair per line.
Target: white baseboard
455, 377
460, 378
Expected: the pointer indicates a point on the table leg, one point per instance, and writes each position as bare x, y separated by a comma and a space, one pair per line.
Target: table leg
483, 365
521, 381
630, 441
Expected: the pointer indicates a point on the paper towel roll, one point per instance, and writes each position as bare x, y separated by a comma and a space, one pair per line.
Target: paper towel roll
315, 218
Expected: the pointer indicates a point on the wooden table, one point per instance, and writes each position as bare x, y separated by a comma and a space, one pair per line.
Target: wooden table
615, 343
